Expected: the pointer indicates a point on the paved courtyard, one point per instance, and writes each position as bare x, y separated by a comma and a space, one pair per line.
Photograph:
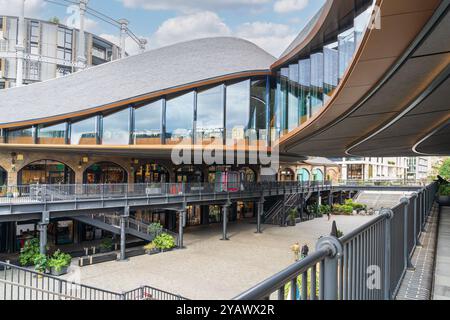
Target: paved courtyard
212, 269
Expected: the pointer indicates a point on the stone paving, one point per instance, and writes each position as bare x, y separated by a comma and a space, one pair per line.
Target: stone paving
417, 283
441, 289
212, 269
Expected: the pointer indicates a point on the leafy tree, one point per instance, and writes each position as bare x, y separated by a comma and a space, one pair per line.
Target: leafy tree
444, 170
54, 20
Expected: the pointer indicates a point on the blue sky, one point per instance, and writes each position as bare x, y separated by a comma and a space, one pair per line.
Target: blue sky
271, 24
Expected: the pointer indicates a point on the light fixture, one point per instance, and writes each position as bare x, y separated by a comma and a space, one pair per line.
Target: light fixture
85, 159
19, 157
80, 164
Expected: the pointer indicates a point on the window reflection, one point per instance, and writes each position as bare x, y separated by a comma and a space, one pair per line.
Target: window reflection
210, 113
147, 124
21, 136
305, 86
316, 81
331, 70
55, 134
293, 98
238, 111
84, 132
179, 118
116, 128
258, 110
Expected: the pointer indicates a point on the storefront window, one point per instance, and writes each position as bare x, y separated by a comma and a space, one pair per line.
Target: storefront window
116, 128
147, 124
151, 173
287, 175
84, 132
210, 113
3, 177
318, 175
194, 214
215, 214
179, 118
189, 174
105, 172
238, 111
303, 175
46, 172
22, 136
55, 134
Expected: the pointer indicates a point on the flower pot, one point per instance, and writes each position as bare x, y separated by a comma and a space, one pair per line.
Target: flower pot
153, 251
166, 250
444, 201
58, 273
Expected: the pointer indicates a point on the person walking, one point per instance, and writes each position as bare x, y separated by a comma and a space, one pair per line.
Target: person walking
305, 251
296, 250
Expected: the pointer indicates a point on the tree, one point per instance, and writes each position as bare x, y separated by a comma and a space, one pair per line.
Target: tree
444, 170
54, 20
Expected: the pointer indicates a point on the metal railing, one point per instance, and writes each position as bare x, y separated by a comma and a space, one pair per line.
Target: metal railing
17, 283
384, 183
369, 263
77, 192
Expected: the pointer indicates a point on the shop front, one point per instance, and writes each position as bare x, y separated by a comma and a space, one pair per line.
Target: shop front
105, 173
151, 173
46, 172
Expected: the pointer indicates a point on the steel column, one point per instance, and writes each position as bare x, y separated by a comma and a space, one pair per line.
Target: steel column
330, 266
260, 213
123, 235
45, 220
181, 224
225, 222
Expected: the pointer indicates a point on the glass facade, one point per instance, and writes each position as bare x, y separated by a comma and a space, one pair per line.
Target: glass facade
147, 124
179, 118
84, 132
258, 110
21, 136
238, 111
116, 128
210, 115
55, 134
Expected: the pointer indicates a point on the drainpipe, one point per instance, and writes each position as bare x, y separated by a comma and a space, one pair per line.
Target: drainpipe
81, 59
20, 48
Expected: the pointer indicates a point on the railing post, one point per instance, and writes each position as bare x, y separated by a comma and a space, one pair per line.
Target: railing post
407, 259
330, 272
415, 196
389, 214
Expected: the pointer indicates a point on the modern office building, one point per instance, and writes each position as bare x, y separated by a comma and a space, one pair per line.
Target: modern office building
373, 169
419, 168
51, 50
333, 93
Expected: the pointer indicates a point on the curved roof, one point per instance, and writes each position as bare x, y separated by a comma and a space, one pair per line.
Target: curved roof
153, 71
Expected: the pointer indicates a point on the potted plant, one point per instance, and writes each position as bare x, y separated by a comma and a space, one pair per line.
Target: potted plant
164, 242
40, 263
444, 194
106, 245
155, 229
151, 248
29, 251
292, 217
59, 263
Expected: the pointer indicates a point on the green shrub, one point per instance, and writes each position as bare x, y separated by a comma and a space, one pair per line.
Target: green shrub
29, 252
356, 206
59, 260
155, 229
164, 241
287, 288
106, 244
40, 263
293, 213
444, 190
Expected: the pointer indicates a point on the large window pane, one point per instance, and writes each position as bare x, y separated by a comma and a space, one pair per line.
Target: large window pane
331, 70
84, 132
347, 47
53, 134
258, 110
116, 128
293, 111
316, 82
305, 89
21, 136
147, 124
238, 110
210, 115
179, 118
283, 99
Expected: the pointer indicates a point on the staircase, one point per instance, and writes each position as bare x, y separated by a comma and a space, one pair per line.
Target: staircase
377, 200
275, 214
111, 223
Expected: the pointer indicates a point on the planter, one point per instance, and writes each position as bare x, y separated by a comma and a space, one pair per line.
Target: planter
151, 252
59, 273
444, 201
166, 250
291, 223
105, 250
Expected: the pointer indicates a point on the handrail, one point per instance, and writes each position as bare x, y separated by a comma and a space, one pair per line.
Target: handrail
39, 290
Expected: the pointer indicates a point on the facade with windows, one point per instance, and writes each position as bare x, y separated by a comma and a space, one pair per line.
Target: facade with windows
50, 50
419, 168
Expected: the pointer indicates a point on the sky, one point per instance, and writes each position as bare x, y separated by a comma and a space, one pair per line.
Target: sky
271, 24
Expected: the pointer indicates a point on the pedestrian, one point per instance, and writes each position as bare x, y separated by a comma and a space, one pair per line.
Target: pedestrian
305, 251
296, 250
329, 215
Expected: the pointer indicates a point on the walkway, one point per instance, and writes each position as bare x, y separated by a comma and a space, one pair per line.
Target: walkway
212, 269
442, 271
417, 284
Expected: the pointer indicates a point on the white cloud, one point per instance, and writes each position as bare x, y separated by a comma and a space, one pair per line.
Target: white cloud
286, 6
272, 37
188, 27
194, 5
33, 8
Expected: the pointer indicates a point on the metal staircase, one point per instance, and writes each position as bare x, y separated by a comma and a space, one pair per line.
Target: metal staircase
111, 223
280, 208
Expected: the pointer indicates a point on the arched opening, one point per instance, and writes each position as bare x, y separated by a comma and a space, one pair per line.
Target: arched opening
189, 174
318, 175
3, 177
105, 173
46, 172
247, 175
151, 173
303, 175
287, 175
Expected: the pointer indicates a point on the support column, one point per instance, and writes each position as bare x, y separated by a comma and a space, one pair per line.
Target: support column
123, 36
81, 56
45, 220
225, 209
330, 271
20, 48
260, 213
123, 235
181, 225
